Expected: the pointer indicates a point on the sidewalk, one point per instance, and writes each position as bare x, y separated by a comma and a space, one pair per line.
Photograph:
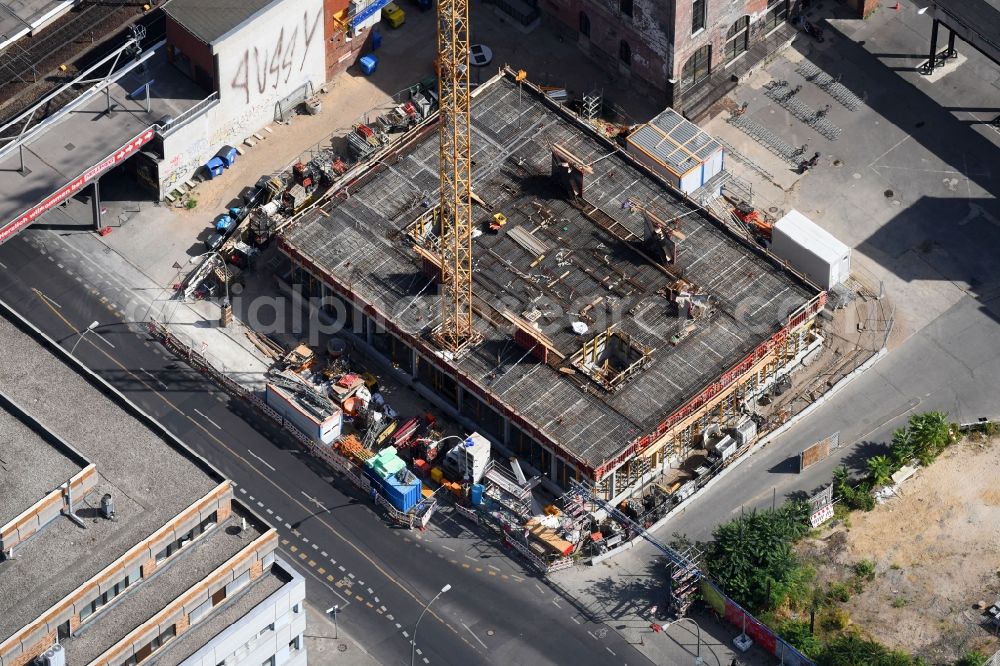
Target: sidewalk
622, 593
326, 643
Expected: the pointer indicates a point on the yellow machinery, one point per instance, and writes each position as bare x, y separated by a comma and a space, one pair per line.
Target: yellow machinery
455, 164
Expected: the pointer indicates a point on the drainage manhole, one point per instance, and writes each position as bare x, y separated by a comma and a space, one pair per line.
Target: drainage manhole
889, 194
490, 632
342, 647
772, 209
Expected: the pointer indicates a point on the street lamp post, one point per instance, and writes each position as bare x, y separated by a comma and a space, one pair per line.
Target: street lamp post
413, 641
92, 326
336, 629
697, 659
226, 316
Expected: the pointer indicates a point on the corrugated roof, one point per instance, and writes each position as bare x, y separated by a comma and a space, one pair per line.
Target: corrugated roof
677, 143
208, 20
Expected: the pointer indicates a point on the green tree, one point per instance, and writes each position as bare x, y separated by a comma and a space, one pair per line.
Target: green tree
880, 470
751, 556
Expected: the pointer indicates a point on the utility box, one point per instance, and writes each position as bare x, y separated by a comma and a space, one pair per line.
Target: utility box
811, 250
724, 448
474, 452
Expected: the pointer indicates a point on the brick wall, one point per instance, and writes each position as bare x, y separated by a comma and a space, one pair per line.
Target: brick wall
35, 649
341, 52
658, 32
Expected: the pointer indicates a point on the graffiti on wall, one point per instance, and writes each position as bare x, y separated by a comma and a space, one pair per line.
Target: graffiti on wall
266, 66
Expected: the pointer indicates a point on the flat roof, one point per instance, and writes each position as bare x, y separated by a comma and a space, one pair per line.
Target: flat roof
88, 135
557, 262
31, 464
19, 17
234, 609
208, 20
175, 577
674, 141
151, 478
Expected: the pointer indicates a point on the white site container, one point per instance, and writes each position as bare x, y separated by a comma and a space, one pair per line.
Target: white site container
811, 250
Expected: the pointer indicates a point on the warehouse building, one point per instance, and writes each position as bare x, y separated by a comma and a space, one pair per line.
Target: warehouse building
618, 322
119, 545
688, 52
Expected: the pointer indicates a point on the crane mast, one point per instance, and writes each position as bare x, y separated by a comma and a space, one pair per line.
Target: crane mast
455, 164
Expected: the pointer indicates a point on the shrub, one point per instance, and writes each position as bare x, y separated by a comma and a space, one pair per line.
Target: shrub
797, 633
191, 204
865, 569
839, 592
898, 602
972, 658
851, 650
834, 619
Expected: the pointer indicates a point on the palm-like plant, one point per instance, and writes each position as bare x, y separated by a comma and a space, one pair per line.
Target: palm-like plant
902, 446
931, 432
880, 469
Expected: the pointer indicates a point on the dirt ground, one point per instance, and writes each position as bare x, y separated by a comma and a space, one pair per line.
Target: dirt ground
936, 551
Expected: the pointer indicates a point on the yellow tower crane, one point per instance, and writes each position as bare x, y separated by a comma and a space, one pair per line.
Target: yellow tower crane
455, 164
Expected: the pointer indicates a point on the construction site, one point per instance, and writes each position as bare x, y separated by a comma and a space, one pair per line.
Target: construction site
609, 331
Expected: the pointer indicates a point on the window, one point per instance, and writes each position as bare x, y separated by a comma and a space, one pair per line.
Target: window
737, 37
218, 596
584, 24
625, 7
697, 16
625, 53
697, 68
293, 644
295, 609
777, 13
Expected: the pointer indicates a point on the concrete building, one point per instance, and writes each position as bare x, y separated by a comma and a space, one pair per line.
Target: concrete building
688, 52
119, 545
618, 322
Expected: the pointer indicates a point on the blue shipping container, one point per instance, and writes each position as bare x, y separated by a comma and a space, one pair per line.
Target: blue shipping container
401, 495
368, 64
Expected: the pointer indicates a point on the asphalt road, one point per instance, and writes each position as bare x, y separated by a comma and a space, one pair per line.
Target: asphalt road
951, 365
378, 576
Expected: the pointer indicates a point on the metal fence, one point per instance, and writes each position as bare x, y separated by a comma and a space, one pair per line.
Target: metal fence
761, 634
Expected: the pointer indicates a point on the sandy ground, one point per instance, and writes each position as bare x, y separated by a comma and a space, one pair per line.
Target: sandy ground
937, 555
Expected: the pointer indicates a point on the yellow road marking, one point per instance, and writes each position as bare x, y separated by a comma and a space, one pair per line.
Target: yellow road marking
493, 573
479, 569
321, 571
359, 597
464, 565
312, 563
250, 469
369, 604
331, 578
302, 556
293, 549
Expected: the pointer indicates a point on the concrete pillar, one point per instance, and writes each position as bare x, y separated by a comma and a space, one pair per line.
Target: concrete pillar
460, 397
95, 206
552, 467
414, 360
933, 58
506, 431
951, 44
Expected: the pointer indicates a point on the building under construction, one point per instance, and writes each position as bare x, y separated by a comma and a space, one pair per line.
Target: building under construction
615, 321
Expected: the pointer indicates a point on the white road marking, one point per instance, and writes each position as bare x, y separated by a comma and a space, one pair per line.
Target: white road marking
575, 620
260, 504
269, 512
288, 526
474, 636
540, 590
426, 660
405, 635
3, 265
243, 490
399, 626
266, 464
313, 500
493, 567
556, 603
448, 548
324, 553
278, 518
610, 650
153, 377
591, 634
315, 547
218, 427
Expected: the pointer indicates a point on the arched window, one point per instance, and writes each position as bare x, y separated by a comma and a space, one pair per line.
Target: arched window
625, 52
697, 68
625, 7
737, 38
777, 13
584, 24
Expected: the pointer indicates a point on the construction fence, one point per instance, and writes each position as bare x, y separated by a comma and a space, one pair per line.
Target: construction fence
507, 532
417, 517
761, 634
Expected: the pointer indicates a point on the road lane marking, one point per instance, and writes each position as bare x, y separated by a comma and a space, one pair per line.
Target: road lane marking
610, 650
493, 567
592, 634
266, 464
314, 501
448, 548
154, 378
474, 636
575, 620
266, 479
556, 603
540, 590
208, 419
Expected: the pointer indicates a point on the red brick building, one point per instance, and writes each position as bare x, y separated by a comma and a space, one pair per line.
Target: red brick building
343, 45
689, 51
